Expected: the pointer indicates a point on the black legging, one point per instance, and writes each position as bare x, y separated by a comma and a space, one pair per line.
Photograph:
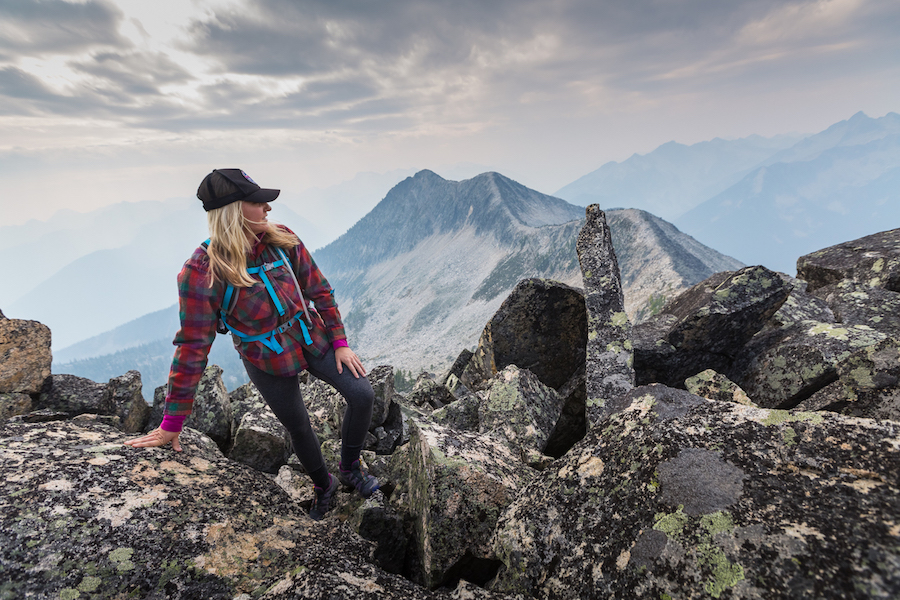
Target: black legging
282, 394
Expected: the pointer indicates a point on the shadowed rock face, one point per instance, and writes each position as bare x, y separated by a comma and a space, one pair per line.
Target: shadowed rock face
681, 497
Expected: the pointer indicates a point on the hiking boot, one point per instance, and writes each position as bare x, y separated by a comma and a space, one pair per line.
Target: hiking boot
355, 477
322, 502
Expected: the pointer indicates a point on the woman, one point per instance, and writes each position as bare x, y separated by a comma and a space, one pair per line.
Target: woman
261, 269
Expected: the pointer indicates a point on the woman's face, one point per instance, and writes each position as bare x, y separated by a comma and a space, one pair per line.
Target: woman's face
255, 215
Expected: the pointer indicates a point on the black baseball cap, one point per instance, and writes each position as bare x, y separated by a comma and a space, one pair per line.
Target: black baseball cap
247, 189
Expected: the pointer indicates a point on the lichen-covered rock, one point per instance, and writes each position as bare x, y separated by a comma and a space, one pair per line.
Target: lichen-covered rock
788, 365
429, 393
873, 260
126, 400
541, 326
521, 409
800, 305
24, 356
713, 321
461, 415
859, 304
458, 485
74, 395
681, 497
392, 432
260, 441
609, 370
86, 516
325, 406
14, 404
715, 386
868, 384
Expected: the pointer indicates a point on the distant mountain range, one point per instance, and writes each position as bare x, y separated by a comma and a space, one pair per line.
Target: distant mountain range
420, 275
764, 201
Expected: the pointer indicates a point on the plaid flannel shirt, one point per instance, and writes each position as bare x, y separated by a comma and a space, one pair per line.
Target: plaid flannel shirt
253, 313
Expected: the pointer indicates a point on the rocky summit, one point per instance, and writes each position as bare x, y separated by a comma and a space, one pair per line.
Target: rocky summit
743, 442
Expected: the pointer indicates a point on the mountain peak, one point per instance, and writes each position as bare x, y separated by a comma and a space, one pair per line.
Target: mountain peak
427, 204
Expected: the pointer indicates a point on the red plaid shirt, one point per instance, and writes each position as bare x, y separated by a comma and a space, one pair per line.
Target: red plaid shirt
253, 313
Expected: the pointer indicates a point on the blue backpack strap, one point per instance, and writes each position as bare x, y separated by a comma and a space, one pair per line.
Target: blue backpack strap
299, 292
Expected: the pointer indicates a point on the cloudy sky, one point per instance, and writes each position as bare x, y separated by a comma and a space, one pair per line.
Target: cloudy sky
104, 101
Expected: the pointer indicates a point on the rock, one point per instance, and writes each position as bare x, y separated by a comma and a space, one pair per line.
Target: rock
788, 365
457, 486
91, 517
873, 260
325, 406
211, 413
377, 521
126, 400
715, 386
260, 441
541, 326
392, 432
74, 395
609, 362
24, 356
429, 393
572, 423
382, 380
681, 497
800, 305
521, 409
457, 369
713, 321
461, 415
12, 405
868, 384
296, 484
859, 304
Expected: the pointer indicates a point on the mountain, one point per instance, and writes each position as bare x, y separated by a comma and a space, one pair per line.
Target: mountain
843, 183
419, 276
674, 178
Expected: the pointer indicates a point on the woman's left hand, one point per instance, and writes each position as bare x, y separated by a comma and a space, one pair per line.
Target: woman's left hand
346, 356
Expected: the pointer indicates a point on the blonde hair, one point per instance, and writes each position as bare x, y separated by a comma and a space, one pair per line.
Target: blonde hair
228, 243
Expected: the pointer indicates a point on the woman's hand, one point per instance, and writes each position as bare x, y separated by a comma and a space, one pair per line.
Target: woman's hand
346, 356
157, 437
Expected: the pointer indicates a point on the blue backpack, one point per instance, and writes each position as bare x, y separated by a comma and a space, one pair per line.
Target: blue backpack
267, 339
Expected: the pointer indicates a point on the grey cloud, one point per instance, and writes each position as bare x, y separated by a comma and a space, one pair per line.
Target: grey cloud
134, 73
32, 28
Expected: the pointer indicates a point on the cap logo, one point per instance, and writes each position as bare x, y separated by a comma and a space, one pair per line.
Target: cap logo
247, 177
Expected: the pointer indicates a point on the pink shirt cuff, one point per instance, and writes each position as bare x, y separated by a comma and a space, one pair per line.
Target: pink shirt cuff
339, 344
172, 423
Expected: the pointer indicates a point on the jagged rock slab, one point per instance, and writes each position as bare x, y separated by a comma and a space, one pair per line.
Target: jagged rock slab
707, 326
457, 484
681, 497
541, 326
788, 365
873, 260
24, 356
521, 409
868, 384
714, 386
125, 397
609, 370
